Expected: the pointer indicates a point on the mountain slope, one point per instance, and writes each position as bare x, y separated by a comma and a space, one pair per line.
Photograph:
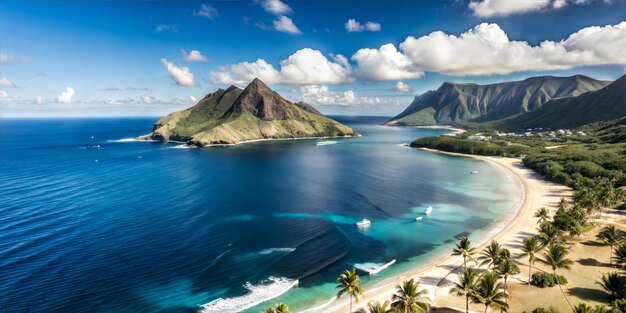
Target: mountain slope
234, 115
458, 103
608, 103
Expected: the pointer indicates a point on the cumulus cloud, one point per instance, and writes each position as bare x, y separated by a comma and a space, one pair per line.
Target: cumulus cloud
5, 82
286, 25
385, 63
323, 95
146, 99
194, 56
353, 25
402, 87
181, 75
502, 8
166, 28
305, 66
276, 7
3, 94
192, 99
207, 12
67, 95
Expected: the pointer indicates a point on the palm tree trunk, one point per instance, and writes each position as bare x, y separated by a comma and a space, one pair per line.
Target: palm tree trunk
611, 256
350, 304
561, 287
506, 293
467, 296
529, 269
465, 262
486, 307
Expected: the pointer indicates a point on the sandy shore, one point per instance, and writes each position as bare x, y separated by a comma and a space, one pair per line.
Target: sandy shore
453, 130
538, 192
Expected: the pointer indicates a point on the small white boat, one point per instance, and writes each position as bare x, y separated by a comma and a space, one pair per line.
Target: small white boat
474, 172
419, 218
429, 210
325, 143
364, 222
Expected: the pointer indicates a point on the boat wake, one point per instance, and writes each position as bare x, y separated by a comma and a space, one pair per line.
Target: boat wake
129, 140
373, 268
326, 143
271, 250
257, 294
185, 146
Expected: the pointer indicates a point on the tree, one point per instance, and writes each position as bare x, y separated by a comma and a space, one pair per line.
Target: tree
409, 298
556, 257
280, 308
465, 286
530, 248
614, 284
464, 248
620, 254
490, 292
583, 308
611, 236
377, 307
506, 268
549, 234
349, 282
491, 255
543, 215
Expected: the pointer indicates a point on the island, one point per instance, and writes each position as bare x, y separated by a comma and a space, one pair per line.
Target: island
233, 116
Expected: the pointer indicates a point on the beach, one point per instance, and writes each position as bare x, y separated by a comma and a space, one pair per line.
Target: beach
538, 192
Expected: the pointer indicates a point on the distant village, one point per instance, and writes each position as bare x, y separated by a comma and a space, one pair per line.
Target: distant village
530, 132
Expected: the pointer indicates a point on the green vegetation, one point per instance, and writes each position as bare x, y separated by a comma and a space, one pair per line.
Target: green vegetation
543, 280
349, 283
452, 144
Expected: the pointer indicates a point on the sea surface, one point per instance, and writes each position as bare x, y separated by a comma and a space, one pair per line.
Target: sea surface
154, 227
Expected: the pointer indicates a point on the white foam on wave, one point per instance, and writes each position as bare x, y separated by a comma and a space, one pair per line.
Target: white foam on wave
185, 146
326, 143
130, 140
271, 250
257, 294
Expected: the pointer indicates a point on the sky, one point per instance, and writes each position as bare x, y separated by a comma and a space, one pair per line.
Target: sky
149, 58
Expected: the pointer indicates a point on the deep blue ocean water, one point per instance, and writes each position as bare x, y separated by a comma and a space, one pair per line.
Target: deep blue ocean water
153, 227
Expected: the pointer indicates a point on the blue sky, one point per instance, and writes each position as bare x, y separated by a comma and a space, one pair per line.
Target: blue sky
115, 58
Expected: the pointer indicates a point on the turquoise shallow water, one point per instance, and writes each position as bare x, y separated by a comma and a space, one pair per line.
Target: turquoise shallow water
150, 227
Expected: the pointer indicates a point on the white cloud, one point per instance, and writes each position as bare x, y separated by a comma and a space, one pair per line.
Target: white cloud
3, 94
286, 25
385, 63
353, 25
305, 66
276, 7
207, 12
323, 95
40, 100
181, 75
402, 87
194, 56
192, 99
166, 28
502, 8
67, 95
10, 59
5, 82
487, 50
146, 99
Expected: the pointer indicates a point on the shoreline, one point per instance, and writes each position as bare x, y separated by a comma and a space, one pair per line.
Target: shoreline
537, 192
140, 138
453, 130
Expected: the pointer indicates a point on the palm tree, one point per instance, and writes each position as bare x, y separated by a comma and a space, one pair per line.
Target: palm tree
280, 308
464, 248
613, 283
490, 292
349, 282
409, 298
549, 234
611, 236
505, 269
543, 215
377, 307
583, 308
562, 204
556, 258
491, 255
620, 254
466, 286
530, 248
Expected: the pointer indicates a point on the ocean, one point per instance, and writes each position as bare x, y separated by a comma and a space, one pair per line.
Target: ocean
159, 227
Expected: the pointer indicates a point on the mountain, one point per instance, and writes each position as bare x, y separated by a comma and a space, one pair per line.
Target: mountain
307, 107
608, 103
454, 103
233, 115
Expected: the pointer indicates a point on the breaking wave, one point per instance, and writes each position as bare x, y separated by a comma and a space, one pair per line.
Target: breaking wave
257, 294
271, 250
